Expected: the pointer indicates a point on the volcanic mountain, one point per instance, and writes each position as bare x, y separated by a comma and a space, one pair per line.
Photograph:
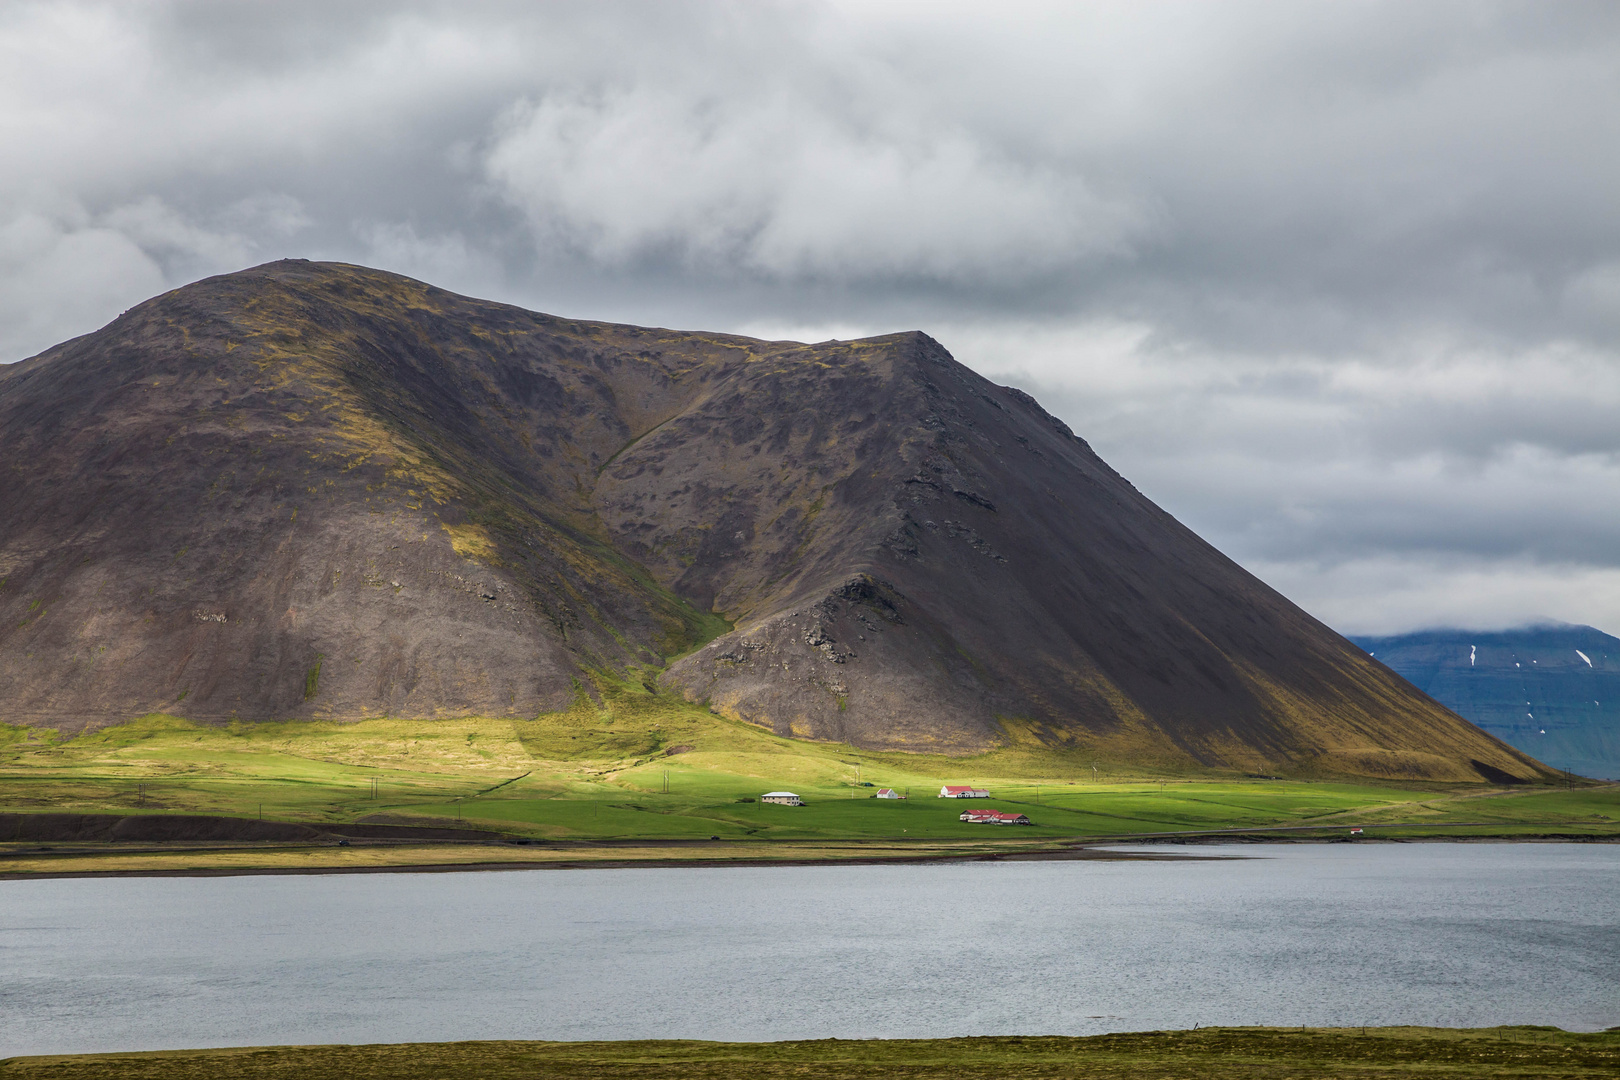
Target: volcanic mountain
315, 490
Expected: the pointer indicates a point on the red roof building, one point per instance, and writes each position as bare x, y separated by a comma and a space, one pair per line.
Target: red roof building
994, 817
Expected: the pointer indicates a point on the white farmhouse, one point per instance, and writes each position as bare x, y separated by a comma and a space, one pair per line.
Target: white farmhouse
950, 791
887, 793
781, 798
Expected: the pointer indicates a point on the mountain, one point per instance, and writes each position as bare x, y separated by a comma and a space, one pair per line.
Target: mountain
318, 490
1552, 690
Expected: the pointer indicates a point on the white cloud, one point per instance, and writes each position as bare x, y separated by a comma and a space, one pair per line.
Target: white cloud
444, 259
65, 271
776, 183
1488, 472
59, 269
1394, 595
156, 227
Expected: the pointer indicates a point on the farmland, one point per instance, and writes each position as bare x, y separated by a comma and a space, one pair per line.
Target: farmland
647, 767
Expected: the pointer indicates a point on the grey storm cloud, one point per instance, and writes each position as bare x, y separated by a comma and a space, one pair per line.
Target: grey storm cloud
1336, 283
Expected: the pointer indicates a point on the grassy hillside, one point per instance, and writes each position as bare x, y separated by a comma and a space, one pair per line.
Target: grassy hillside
627, 762
1249, 1053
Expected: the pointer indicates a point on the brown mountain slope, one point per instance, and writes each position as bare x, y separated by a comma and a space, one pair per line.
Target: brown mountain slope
319, 490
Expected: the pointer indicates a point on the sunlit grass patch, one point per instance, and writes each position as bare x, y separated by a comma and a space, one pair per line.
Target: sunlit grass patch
626, 760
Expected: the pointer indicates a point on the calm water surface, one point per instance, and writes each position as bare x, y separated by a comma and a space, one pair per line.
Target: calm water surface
1474, 934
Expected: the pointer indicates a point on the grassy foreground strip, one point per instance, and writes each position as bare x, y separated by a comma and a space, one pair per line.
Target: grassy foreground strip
1250, 1053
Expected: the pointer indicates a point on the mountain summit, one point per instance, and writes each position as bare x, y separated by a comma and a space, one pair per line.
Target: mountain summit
318, 490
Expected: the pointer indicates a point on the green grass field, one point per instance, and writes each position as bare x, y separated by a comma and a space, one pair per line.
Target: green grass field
649, 766
1214, 1053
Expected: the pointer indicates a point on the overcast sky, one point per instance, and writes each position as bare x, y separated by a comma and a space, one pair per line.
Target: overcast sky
1336, 284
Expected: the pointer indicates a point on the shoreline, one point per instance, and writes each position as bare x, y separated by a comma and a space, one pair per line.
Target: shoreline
59, 845
1082, 854
614, 855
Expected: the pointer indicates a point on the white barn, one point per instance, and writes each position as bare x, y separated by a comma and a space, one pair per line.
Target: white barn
951, 791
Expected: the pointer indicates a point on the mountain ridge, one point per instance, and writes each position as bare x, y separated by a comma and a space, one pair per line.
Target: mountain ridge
1549, 688
346, 493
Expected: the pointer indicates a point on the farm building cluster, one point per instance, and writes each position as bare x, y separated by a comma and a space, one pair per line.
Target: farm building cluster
976, 816
994, 817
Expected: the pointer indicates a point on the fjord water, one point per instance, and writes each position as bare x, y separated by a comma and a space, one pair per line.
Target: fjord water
1444, 934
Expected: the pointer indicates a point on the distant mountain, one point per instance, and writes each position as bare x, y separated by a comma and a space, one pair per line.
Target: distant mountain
1551, 690
316, 490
